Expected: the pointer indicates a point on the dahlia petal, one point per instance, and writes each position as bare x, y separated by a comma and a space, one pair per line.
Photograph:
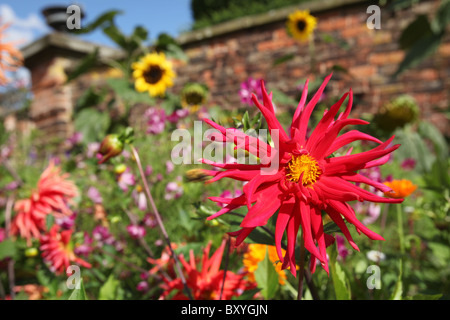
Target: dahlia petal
300, 106
347, 138
336, 217
292, 231
305, 217
318, 234
241, 235
285, 213
350, 216
256, 182
307, 111
263, 209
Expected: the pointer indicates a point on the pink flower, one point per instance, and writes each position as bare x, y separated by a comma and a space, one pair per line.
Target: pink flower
136, 231
2, 234
156, 120
142, 286
408, 164
174, 190
249, 87
169, 167
94, 195
342, 250
140, 198
125, 180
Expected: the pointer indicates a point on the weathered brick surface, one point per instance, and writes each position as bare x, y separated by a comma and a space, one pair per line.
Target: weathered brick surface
370, 56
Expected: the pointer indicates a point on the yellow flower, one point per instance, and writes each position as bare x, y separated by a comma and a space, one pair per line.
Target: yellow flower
193, 96
301, 24
255, 254
153, 74
400, 188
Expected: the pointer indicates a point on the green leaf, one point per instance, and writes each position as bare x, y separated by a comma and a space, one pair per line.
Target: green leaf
424, 297
127, 92
442, 18
85, 65
416, 30
340, 281
111, 290
92, 124
7, 249
116, 35
80, 293
105, 18
267, 277
419, 51
398, 290
283, 59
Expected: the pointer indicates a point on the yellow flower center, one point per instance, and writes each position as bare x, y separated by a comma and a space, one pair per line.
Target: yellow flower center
306, 165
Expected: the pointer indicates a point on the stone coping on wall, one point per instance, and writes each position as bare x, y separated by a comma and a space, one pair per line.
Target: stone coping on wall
256, 20
70, 44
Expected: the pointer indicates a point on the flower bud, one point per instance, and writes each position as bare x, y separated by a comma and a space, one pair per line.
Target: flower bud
31, 252
110, 147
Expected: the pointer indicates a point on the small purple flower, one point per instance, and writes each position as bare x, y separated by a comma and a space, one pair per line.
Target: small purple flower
102, 235
66, 222
2, 234
126, 180
142, 286
247, 88
150, 221
342, 250
408, 164
177, 115
136, 231
169, 167
139, 198
12, 186
85, 248
174, 190
373, 213
156, 120
94, 195
92, 149
74, 140
148, 170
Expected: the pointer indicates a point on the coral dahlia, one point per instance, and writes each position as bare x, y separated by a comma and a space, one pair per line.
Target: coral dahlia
206, 284
58, 251
305, 181
53, 196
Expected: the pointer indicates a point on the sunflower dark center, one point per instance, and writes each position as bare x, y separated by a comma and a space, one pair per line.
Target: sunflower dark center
194, 98
301, 25
153, 74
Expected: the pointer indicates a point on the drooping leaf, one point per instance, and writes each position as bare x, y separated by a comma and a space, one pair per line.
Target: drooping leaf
105, 18
84, 66
416, 30
79, 293
340, 281
111, 290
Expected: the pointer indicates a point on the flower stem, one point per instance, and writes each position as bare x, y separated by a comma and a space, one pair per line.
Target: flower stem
301, 271
159, 221
227, 258
400, 228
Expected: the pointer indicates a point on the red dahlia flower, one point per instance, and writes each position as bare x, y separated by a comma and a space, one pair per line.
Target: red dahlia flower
54, 193
306, 181
58, 251
206, 284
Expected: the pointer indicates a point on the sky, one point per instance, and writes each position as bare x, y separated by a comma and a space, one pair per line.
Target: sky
28, 23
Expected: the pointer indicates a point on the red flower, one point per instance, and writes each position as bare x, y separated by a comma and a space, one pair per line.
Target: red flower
206, 284
58, 251
52, 196
306, 180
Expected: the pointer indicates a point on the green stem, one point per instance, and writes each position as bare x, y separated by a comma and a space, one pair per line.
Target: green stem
301, 271
160, 222
400, 228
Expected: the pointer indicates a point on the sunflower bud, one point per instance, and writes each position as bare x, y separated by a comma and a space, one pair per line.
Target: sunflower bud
110, 147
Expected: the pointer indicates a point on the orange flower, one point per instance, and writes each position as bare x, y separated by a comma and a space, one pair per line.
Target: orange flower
400, 188
52, 196
10, 57
255, 254
58, 251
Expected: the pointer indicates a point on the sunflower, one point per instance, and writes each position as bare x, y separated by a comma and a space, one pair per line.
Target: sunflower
153, 73
193, 96
301, 24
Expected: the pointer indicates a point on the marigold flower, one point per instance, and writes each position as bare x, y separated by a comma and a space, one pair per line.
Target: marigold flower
10, 57
400, 188
206, 284
301, 24
153, 74
255, 254
53, 195
57, 250
306, 180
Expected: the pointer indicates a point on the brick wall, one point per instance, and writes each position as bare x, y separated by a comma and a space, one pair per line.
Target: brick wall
224, 59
